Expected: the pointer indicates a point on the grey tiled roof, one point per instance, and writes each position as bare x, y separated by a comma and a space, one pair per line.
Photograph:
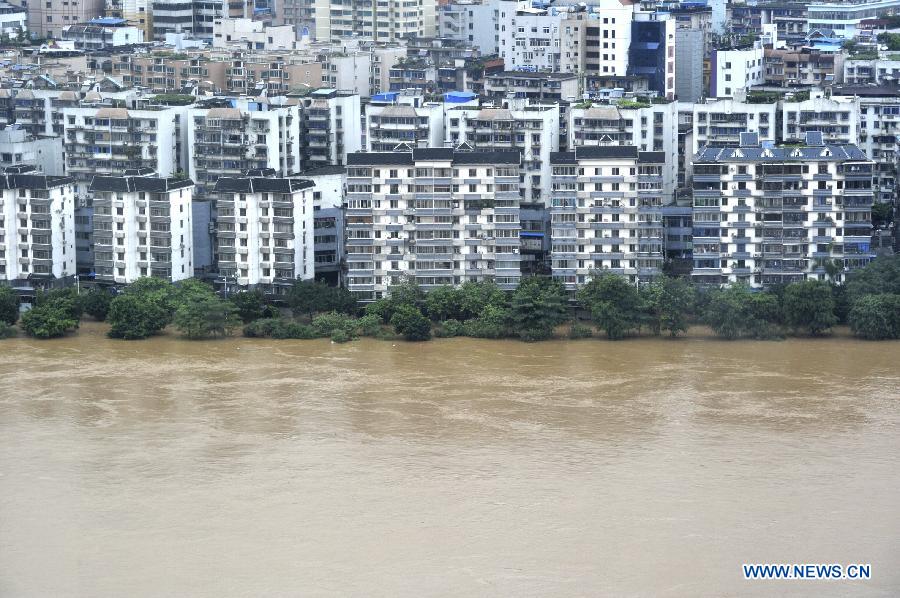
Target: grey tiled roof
780, 154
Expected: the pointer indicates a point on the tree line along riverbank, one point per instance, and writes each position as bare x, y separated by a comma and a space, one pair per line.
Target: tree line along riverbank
539, 309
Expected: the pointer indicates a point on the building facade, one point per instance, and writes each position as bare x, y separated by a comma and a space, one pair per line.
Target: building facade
37, 225
438, 216
142, 227
776, 215
606, 214
265, 231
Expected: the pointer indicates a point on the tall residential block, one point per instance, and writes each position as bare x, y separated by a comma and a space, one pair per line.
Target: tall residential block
264, 230
776, 215
437, 215
37, 225
606, 213
142, 227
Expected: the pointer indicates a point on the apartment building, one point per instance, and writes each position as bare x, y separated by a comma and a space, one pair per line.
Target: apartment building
172, 16
651, 128
531, 129
142, 227
395, 118
775, 215
803, 67
265, 230
719, 123
389, 21
844, 18
736, 69
102, 33
875, 71
104, 140
331, 127
529, 37
18, 147
299, 13
472, 22
252, 35
438, 215
46, 19
329, 183
836, 118
651, 54
596, 39
229, 141
40, 112
606, 214
37, 225
532, 86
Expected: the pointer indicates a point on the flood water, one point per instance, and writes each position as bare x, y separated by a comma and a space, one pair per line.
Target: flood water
452, 468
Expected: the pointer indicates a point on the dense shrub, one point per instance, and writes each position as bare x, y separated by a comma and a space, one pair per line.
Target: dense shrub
293, 330
96, 303
809, 307
450, 328
206, 317
264, 327
494, 322
876, 317
49, 320
135, 316
9, 305
614, 304
577, 331
537, 306
409, 322
738, 312
68, 300
368, 325
7, 330
330, 323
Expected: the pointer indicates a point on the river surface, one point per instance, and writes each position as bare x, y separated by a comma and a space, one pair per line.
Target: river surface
457, 467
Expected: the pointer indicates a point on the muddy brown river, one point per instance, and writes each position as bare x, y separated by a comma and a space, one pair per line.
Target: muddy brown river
169, 468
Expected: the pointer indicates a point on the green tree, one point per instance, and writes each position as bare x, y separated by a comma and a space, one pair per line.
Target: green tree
443, 303
409, 322
406, 292
334, 323
614, 303
880, 276
668, 302
494, 322
251, 305
48, 320
891, 40
809, 306
737, 312
9, 306
67, 300
876, 317
882, 214
161, 292
537, 306
475, 296
190, 291
135, 316
308, 297
96, 303
205, 317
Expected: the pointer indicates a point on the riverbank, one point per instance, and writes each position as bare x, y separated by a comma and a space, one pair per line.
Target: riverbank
95, 330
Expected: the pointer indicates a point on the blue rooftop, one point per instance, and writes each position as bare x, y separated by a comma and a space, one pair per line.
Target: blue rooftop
458, 97
390, 96
113, 21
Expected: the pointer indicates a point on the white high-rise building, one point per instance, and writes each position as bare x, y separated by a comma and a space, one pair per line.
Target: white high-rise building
776, 215
265, 230
532, 129
142, 227
384, 21
606, 213
37, 225
437, 215
836, 118
395, 118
